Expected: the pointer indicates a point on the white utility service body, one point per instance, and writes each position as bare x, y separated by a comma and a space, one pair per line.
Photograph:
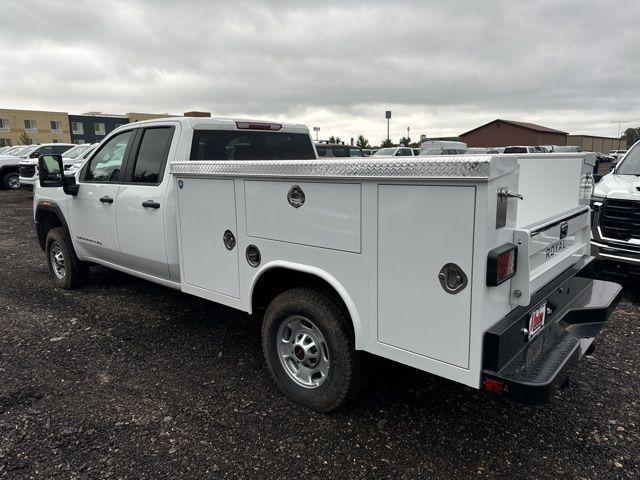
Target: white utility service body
402, 242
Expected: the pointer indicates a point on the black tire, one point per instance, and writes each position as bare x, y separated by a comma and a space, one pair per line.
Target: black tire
11, 181
346, 372
75, 272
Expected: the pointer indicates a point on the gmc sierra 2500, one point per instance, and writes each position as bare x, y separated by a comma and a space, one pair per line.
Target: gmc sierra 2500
467, 267
616, 217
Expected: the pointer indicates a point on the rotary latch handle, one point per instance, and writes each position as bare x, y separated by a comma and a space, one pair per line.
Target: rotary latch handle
504, 195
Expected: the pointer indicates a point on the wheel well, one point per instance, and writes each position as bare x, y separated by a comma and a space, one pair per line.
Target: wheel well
45, 221
8, 169
277, 280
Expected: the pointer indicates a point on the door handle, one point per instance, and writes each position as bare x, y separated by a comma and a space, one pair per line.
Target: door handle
106, 200
150, 204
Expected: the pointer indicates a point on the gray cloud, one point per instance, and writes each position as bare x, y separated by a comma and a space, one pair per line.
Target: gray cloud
442, 67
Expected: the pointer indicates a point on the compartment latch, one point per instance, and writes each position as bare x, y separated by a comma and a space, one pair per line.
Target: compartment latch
503, 204
452, 278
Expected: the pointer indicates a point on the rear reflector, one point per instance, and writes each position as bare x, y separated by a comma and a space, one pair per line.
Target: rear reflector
258, 126
501, 264
494, 386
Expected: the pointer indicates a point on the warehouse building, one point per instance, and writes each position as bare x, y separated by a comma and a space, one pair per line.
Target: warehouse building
502, 133
591, 143
33, 126
92, 127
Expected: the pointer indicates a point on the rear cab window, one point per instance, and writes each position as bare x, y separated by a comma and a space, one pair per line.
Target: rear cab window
515, 150
341, 152
248, 145
152, 154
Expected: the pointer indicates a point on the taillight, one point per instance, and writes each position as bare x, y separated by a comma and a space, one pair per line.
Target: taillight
501, 264
258, 126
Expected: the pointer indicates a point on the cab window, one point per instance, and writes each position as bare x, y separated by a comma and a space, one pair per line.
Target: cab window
106, 164
152, 155
247, 145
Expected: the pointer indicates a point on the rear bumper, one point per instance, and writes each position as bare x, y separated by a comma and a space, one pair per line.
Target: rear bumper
529, 371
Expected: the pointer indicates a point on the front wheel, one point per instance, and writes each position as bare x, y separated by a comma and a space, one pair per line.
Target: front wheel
65, 269
11, 181
308, 345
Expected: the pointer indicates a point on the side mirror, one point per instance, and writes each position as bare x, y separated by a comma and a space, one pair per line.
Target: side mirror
51, 173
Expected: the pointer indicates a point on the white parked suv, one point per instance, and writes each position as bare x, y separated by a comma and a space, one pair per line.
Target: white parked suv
617, 154
436, 262
28, 165
9, 177
395, 152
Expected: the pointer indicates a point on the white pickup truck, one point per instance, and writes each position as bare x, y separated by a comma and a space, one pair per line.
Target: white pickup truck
434, 262
616, 217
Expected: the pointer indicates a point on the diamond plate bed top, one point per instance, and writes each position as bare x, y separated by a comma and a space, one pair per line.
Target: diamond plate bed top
471, 167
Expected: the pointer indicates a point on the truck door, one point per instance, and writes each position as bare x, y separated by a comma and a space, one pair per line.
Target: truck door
140, 204
425, 253
92, 211
208, 232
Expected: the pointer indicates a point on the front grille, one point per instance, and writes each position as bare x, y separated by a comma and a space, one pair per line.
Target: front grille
27, 171
620, 219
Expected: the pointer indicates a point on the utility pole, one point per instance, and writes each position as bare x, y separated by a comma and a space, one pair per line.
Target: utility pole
387, 114
620, 122
408, 136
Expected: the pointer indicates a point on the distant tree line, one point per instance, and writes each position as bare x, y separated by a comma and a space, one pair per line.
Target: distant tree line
632, 135
362, 142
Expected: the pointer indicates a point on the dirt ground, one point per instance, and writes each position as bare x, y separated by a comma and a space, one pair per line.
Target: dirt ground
127, 379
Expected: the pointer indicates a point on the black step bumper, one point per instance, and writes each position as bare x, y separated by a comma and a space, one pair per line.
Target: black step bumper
529, 371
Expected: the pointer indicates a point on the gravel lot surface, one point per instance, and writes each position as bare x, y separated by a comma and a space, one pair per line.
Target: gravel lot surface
126, 379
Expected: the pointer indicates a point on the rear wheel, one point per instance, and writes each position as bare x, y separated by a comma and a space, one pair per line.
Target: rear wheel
309, 349
11, 181
65, 269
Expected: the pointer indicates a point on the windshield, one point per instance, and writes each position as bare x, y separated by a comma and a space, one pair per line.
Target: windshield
385, 151
27, 151
14, 151
631, 163
75, 152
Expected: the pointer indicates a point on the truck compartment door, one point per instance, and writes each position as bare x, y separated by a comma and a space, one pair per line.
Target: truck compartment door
421, 230
207, 209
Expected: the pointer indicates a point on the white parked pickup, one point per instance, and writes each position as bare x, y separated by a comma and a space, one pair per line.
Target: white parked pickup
473, 268
616, 217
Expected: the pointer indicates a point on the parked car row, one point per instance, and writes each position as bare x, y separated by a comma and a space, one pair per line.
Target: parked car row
10, 161
19, 164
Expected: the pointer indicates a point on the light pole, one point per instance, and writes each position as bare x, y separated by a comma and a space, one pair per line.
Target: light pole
387, 115
408, 136
316, 129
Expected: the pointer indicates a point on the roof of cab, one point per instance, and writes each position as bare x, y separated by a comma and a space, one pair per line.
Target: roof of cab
211, 123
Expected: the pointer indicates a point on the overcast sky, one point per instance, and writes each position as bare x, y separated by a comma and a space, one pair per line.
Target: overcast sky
442, 67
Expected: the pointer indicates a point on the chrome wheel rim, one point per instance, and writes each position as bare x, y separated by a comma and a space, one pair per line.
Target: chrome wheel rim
57, 260
14, 182
303, 351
